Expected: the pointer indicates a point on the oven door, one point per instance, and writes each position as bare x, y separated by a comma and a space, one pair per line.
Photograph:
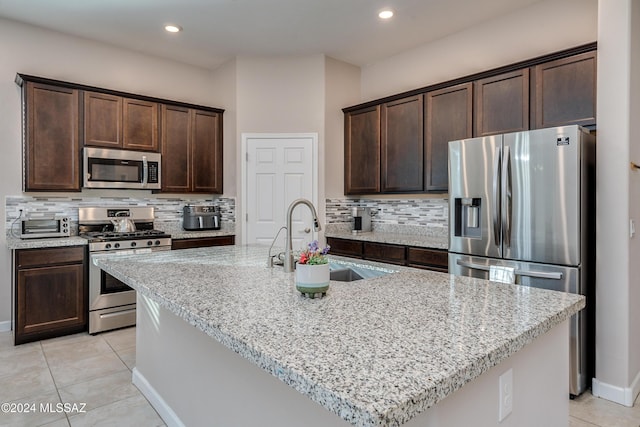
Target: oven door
105, 291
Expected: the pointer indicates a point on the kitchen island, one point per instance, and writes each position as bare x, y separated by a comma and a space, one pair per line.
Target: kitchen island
414, 347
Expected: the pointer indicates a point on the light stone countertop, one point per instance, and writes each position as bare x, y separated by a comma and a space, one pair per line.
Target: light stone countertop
177, 232
17, 243
407, 235
375, 352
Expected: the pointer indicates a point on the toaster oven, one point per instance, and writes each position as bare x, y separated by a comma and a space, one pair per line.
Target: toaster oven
43, 227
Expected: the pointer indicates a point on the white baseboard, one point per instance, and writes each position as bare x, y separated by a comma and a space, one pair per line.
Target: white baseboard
5, 326
622, 395
166, 413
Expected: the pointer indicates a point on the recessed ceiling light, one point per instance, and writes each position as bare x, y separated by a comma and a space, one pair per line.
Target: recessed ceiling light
385, 14
173, 28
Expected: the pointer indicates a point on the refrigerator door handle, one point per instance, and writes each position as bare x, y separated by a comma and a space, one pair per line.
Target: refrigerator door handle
529, 273
497, 166
506, 193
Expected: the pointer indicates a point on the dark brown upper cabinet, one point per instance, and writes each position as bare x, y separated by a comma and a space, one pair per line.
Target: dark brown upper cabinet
502, 103
191, 150
362, 151
118, 122
51, 143
402, 145
448, 117
565, 91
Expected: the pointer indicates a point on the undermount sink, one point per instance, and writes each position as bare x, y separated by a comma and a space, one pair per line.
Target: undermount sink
349, 273
344, 275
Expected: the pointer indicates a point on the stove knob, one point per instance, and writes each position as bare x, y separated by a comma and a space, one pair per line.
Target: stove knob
117, 245
150, 243
107, 246
133, 244
157, 242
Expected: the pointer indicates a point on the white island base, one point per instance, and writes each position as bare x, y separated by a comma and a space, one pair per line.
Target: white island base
193, 380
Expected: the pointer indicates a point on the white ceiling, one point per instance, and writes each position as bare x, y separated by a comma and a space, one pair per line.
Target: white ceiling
217, 30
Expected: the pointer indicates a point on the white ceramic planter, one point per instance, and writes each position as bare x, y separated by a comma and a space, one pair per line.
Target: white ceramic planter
312, 279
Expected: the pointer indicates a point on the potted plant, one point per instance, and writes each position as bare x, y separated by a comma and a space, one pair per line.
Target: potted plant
312, 270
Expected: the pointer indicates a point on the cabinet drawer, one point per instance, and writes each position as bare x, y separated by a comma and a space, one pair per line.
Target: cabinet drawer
428, 257
202, 242
387, 253
350, 248
50, 256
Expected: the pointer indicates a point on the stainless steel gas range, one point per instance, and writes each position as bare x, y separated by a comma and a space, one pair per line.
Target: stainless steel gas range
116, 231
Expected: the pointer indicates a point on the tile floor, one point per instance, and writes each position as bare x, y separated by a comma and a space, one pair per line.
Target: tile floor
96, 371
76, 369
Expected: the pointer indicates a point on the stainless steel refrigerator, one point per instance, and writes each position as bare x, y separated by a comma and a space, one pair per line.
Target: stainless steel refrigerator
521, 207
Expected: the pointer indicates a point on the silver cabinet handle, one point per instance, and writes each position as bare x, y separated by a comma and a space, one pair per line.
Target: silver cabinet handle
528, 273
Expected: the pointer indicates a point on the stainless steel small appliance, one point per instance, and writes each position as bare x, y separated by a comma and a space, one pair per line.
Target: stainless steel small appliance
37, 225
200, 217
521, 208
360, 220
107, 168
112, 304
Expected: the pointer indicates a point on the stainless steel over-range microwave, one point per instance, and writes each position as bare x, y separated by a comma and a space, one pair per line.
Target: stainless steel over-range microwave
108, 168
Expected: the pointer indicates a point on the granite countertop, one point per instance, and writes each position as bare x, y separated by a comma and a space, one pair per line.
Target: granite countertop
17, 243
177, 232
375, 352
172, 227
420, 236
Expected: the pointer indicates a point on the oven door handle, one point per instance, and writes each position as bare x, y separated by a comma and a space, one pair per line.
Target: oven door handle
119, 252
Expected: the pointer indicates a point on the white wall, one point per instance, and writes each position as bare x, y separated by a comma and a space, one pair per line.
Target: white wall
31, 50
542, 28
224, 88
618, 192
279, 95
342, 88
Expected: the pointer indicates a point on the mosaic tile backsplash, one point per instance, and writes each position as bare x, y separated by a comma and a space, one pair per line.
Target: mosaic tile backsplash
166, 209
409, 212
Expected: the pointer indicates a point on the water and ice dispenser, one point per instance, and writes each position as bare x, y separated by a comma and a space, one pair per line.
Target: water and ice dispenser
467, 217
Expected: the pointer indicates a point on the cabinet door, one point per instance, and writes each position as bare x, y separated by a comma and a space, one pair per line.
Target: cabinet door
350, 248
176, 137
102, 120
50, 301
565, 91
502, 103
362, 151
449, 117
394, 254
51, 144
206, 152
402, 145
139, 125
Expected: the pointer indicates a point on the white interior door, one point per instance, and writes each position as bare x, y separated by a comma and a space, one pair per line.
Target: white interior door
279, 169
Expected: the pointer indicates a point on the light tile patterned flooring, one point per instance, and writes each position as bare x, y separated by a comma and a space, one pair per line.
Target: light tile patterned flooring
96, 371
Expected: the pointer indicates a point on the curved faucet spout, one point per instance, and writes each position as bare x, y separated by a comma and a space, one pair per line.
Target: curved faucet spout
288, 251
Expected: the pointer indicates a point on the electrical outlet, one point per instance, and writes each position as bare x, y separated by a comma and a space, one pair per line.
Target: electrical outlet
505, 406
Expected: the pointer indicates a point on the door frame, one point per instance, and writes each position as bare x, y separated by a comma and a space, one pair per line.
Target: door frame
245, 137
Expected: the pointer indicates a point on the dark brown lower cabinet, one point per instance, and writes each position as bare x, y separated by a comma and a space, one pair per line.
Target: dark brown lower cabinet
432, 259
425, 258
51, 293
393, 254
345, 247
202, 242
